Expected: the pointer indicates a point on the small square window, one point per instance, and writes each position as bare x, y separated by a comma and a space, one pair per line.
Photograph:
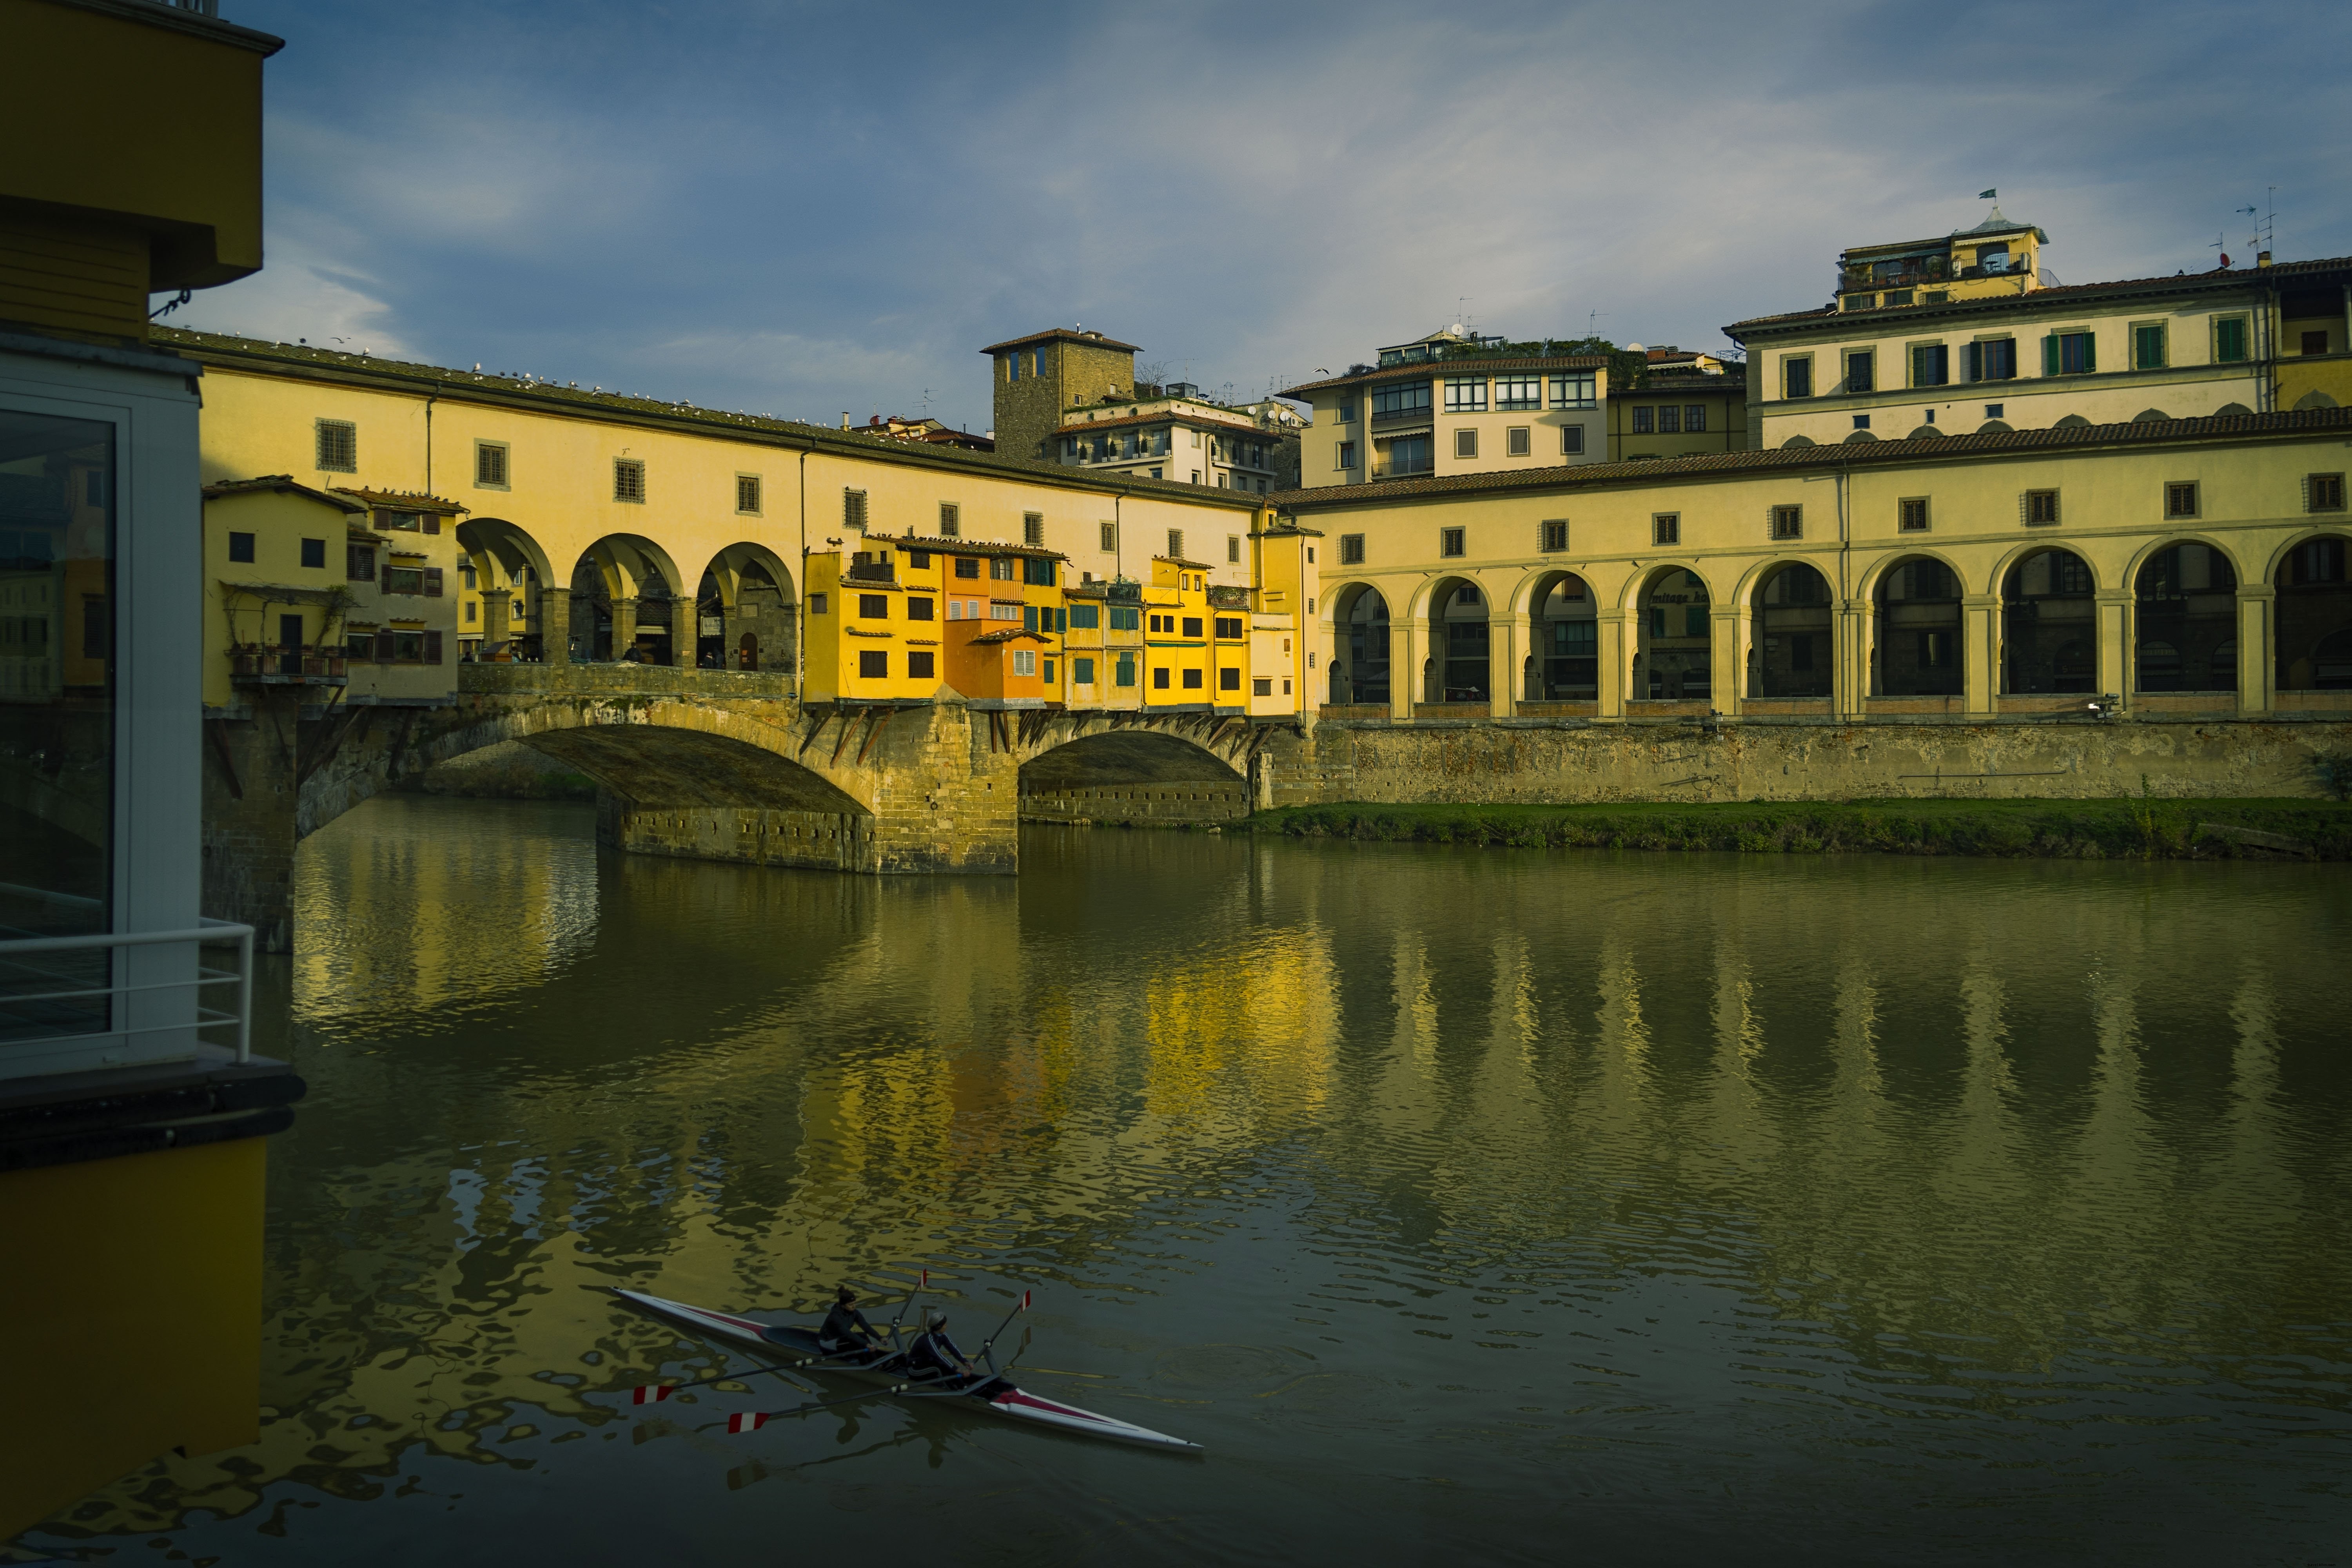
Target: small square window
920, 607
314, 554
1555, 534
1025, 661
1351, 550
1032, 528
1861, 421
1450, 542
873, 664
873, 607
1465, 443
1992, 410
240, 547
1571, 440
1082, 672
816, 604
2322, 492
1000, 568
2180, 499
1519, 440
490, 465
2041, 509
1788, 523
2315, 342
747, 494
339, 446
1191, 681
1346, 455
628, 480
1911, 514
1160, 680
1262, 686
1229, 679
1666, 528
967, 566
922, 665
950, 520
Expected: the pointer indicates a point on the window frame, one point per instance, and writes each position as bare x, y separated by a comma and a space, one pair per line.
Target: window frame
1351, 550
2244, 324
2316, 486
753, 486
2174, 492
625, 469
1905, 512
1694, 418
2039, 509
1784, 521
350, 430
1466, 444
854, 508
1551, 536
1666, 527
1645, 420
2132, 334
1869, 360
1453, 543
1938, 356
1519, 441
1465, 394
951, 519
1346, 455
1795, 368
1576, 389
505, 450
1109, 538
1571, 440
1526, 390
1032, 530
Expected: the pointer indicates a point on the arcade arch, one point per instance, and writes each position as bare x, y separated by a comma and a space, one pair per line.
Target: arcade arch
2314, 616
746, 614
625, 605
1674, 660
2049, 624
2185, 612
1458, 668
1916, 646
1789, 654
507, 567
1360, 654
1564, 627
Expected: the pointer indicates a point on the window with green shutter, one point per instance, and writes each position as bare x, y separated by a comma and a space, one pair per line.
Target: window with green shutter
1931, 364
2148, 348
2230, 340
2069, 353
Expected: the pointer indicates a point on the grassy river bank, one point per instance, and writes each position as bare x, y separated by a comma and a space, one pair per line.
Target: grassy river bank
2069, 829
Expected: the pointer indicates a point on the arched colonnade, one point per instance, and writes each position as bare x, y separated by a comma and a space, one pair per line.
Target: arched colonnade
624, 598
2041, 626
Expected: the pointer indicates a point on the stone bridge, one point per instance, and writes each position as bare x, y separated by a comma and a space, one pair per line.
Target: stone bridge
725, 764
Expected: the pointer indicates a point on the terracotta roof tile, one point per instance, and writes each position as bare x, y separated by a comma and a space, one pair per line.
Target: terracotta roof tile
1088, 340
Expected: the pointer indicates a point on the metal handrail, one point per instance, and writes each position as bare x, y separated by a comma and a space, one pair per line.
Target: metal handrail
210, 932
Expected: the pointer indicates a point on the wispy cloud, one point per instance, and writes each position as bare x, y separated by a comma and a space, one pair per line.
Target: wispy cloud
807, 208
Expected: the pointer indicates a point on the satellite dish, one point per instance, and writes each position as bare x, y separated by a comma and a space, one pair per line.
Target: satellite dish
1634, 349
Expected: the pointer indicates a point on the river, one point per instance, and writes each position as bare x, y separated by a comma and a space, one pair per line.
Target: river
1501, 1204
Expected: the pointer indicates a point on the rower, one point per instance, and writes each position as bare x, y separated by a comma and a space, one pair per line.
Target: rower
933, 1355
845, 1328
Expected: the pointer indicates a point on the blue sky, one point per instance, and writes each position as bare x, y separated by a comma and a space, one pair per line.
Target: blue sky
803, 210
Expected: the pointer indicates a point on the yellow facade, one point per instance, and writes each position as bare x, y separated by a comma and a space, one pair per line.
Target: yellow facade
1476, 416
1643, 550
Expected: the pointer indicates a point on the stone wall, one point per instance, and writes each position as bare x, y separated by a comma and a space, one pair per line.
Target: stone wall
1158, 804
1560, 763
251, 763
831, 843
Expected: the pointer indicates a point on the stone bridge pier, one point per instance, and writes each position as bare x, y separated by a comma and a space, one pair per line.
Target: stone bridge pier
722, 765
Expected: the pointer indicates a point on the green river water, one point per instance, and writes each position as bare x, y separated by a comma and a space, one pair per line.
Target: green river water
1508, 1206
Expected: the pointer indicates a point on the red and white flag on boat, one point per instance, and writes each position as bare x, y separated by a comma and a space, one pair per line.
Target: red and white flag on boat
652, 1394
748, 1421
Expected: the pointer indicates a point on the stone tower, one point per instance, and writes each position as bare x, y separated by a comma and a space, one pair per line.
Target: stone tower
1041, 375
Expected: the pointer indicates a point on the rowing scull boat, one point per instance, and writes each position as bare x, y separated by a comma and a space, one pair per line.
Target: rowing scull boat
995, 1393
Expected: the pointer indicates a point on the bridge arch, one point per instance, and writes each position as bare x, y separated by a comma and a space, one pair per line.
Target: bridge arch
1359, 664
625, 591
1185, 768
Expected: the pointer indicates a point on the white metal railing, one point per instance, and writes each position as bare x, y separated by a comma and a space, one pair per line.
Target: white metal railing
120, 990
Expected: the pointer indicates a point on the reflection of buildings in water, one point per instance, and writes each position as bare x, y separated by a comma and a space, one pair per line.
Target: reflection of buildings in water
415, 906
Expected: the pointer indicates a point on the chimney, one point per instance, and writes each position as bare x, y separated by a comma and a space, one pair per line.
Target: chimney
2261, 259
845, 418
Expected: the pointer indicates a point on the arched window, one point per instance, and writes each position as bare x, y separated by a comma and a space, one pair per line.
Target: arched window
747, 652
1360, 673
1917, 650
1675, 661
2314, 616
2187, 611
1568, 643
2048, 625
1790, 656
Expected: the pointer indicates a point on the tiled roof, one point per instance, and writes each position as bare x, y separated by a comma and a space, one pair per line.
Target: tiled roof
1236, 422
279, 484
2064, 294
1466, 365
938, 545
255, 356
1090, 340
404, 500
1787, 460
1010, 634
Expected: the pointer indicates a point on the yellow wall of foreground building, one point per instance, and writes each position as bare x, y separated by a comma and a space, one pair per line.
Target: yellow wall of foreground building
417, 430
2253, 507
133, 1288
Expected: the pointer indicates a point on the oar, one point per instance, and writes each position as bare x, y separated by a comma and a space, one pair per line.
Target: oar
752, 1420
655, 1392
905, 1304
1018, 1308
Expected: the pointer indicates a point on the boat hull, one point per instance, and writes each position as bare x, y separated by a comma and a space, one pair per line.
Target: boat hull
798, 1347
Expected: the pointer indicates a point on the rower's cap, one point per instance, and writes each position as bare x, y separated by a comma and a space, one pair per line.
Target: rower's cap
938, 1320
844, 1295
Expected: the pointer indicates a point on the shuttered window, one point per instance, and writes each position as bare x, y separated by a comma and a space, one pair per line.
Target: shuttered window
339, 446
1032, 528
747, 494
1554, 534
2069, 353
490, 465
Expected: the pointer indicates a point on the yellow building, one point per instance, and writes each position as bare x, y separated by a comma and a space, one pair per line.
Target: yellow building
1950, 337
133, 1119
2187, 568
1481, 411
1680, 408
910, 619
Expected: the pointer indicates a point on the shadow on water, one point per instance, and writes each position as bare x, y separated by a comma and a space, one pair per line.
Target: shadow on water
1658, 1205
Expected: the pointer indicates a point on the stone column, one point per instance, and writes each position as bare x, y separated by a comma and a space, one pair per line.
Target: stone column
2257, 655
624, 625
2114, 612
1727, 655
1615, 642
554, 624
1981, 650
1506, 647
1850, 674
494, 614
1405, 640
